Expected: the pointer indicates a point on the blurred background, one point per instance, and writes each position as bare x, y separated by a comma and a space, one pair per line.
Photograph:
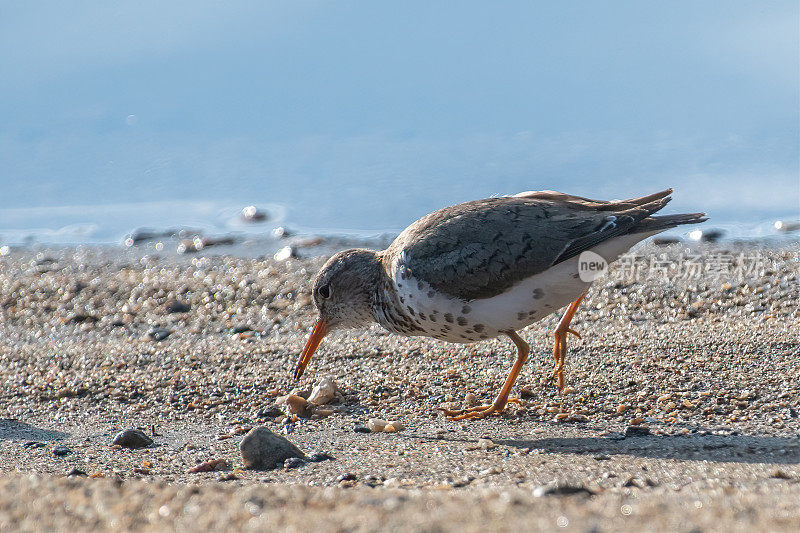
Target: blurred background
362, 116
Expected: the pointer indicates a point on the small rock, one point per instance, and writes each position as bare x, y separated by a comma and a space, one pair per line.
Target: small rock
470, 400
295, 405
787, 226
61, 451
393, 427
318, 457
346, 477
636, 421
159, 334
362, 429
76, 472
632, 481
780, 474
270, 412
293, 462
637, 431
376, 425
261, 448
176, 306
621, 408
285, 253
132, 438
210, 466
253, 214
558, 489
580, 419
324, 392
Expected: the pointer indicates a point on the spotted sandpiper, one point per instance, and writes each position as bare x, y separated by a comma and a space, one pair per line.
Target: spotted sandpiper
482, 269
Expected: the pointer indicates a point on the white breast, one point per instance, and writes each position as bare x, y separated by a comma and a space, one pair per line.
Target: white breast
452, 319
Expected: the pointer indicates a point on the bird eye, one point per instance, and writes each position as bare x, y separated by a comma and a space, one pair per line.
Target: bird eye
324, 291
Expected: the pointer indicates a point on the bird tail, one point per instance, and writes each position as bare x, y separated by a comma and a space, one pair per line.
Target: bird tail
666, 222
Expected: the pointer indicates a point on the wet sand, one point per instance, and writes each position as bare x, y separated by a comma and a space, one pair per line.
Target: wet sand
709, 364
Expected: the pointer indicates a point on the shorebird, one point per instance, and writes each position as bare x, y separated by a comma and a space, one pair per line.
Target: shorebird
482, 269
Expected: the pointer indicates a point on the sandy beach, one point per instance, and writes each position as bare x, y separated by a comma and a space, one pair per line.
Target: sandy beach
680, 414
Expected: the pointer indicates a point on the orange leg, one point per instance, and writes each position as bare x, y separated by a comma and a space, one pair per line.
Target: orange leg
560, 347
502, 399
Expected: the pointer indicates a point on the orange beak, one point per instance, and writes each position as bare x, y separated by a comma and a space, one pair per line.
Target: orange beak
320, 330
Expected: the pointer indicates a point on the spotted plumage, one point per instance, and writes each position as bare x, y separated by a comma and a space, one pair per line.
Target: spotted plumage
481, 269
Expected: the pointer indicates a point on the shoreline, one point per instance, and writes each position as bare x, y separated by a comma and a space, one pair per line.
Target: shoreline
712, 367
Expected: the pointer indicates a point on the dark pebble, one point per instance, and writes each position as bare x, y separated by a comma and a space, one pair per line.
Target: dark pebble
557, 489
261, 448
132, 438
347, 477
61, 451
241, 329
33, 444
175, 306
637, 431
76, 472
362, 429
269, 412
159, 334
293, 462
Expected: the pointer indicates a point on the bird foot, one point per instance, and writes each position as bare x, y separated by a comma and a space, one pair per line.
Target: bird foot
479, 411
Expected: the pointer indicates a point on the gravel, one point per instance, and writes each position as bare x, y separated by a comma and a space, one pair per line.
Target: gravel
705, 370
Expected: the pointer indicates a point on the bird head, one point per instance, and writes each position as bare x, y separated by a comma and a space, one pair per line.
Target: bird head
343, 295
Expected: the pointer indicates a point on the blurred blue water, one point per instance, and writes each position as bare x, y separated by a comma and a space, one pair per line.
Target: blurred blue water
365, 116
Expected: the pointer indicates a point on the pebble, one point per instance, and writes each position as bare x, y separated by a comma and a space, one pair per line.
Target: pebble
76, 472
132, 438
295, 405
287, 252
210, 466
470, 400
270, 412
61, 451
323, 392
561, 489
318, 457
159, 334
362, 429
779, 474
637, 431
176, 306
377, 425
262, 449
253, 214
293, 462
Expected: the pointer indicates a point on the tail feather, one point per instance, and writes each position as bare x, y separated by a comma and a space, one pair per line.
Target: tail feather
665, 222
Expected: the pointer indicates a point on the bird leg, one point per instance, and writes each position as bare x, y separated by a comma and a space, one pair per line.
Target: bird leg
502, 399
560, 347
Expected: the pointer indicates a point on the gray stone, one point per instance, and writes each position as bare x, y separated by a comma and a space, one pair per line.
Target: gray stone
132, 438
262, 449
61, 451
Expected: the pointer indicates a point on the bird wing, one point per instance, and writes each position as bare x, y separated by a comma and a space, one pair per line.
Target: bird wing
479, 249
